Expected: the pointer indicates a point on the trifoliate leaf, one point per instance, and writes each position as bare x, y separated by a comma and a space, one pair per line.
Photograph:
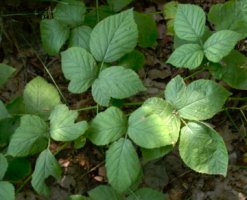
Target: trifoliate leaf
40, 97
5, 72
3, 111
147, 29
53, 35
188, 55
63, 128
154, 124
116, 82
200, 100
122, 165
104, 192
70, 12
80, 68
202, 149
7, 191
107, 126
147, 194
30, 137
114, 36
118, 5
46, 165
189, 22
3, 166
220, 44
79, 37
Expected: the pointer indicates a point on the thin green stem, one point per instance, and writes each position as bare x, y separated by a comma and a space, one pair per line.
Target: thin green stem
61, 148
87, 108
153, 13
195, 73
97, 10
46, 69
237, 98
244, 116
232, 121
24, 183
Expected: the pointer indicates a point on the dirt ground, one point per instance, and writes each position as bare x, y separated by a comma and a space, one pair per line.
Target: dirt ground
83, 169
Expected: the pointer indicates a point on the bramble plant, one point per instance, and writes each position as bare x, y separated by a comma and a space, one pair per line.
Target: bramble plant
98, 52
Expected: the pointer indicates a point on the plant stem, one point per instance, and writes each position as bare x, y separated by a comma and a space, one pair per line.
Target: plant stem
237, 98
24, 183
87, 108
195, 73
62, 147
230, 118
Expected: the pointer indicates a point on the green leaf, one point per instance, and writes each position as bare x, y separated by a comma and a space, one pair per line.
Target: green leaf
202, 149
62, 123
3, 166
70, 12
146, 28
80, 68
107, 126
118, 5
154, 124
53, 35
235, 71
104, 192
134, 60
7, 191
95, 15
152, 154
189, 22
170, 10
78, 197
116, 82
220, 44
40, 97
188, 55
114, 36
7, 128
18, 169
30, 138
200, 100
79, 37
3, 111
16, 106
46, 165
229, 16
122, 165
146, 194
5, 73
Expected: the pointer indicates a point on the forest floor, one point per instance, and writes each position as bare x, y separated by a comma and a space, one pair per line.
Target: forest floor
84, 169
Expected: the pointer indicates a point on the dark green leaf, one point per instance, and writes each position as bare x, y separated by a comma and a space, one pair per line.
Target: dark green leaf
3, 166
79, 37
118, 5
146, 194
104, 192
5, 72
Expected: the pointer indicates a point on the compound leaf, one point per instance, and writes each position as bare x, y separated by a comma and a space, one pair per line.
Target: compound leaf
62, 123
104, 192
146, 28
3, 165
53, 35
220, 44
202, 149
70, 12
118, 5
79, 37
5, 72
30, 137
107, 126
40, 97
114, 36
154, 124
189, 22
200, 100
7, 191
122, 165
46, 165
146, 194
80, 68
188, 55
116, 82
